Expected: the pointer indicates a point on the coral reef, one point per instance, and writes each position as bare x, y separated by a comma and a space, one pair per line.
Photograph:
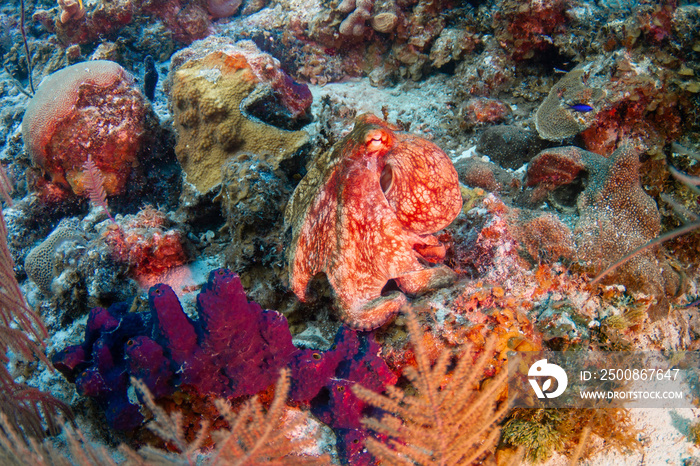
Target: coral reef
166, 348
145, 243
320, 219
218, 91
253, 198
359, 12
526, 29
508, 145
40, 262
361, 214
78, 22
483, 111
78, 25
233, 348
23, 408
71, 10
614, 98
443, 420
87, 109
477, 173
615, 216
559, 116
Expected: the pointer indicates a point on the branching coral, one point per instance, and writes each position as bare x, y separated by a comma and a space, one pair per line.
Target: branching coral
446, 420
254, 435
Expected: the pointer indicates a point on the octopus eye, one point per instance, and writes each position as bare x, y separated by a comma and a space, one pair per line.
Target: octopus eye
376, 140
386, 178
316, 356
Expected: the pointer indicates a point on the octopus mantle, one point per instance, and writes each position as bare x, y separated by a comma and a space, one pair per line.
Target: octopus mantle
365, 213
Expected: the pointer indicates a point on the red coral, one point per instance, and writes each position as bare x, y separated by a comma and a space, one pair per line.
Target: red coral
483, 110
658, 23
87, 109
145, 244
525, 29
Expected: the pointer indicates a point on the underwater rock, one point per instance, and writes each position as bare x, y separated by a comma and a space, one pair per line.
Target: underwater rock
480, 110
90, 108
483, 243
230, 98
508, 145
365, 212
222, 8
525, 31
89, 22
487, 73
545, 237
80, 25
253, 198
452, 45
478, 173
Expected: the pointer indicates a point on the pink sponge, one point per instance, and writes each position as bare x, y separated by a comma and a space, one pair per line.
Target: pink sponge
90, 108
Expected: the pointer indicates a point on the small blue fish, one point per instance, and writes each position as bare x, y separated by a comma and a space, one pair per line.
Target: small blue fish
581, 107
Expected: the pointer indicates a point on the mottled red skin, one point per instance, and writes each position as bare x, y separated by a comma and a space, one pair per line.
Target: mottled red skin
366, 216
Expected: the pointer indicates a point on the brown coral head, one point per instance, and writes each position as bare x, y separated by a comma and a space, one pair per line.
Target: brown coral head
384, 22
570, 107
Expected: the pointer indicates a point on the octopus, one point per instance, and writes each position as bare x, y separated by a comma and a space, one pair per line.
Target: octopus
364, 215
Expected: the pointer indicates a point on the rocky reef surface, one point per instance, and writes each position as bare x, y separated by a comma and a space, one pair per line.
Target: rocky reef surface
202, 194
